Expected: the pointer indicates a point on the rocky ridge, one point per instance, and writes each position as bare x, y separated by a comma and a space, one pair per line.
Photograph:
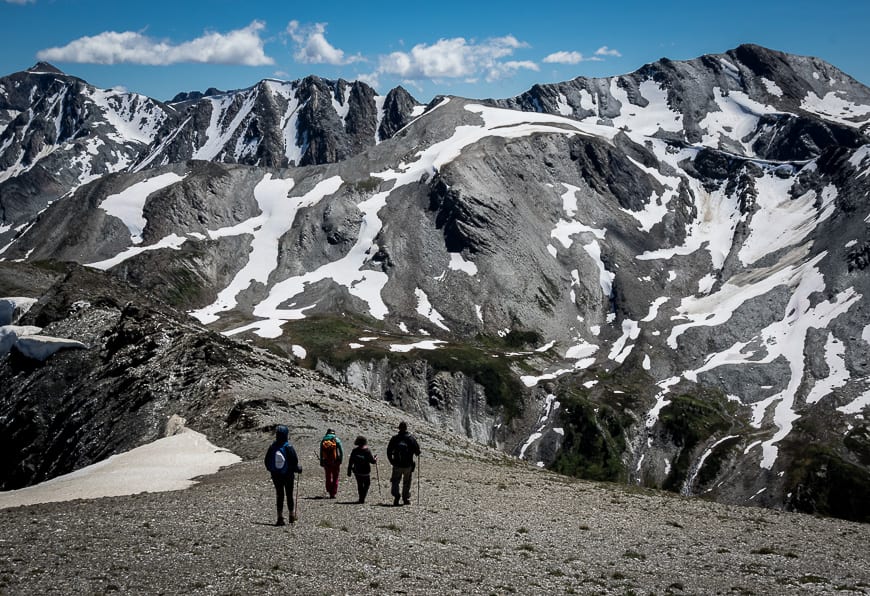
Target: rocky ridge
481, 525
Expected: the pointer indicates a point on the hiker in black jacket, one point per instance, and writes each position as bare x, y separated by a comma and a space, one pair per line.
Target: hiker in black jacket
360, 463
401, 451
282, 462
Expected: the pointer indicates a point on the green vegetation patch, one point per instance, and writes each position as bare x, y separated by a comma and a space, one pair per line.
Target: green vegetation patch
858, 442
327, 338
822, 482
594, 440
713, 464
502, 387
691, 419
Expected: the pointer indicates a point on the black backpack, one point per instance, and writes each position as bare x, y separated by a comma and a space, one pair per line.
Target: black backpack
403, 451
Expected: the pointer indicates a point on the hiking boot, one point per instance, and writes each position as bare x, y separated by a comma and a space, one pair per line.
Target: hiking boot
280, 522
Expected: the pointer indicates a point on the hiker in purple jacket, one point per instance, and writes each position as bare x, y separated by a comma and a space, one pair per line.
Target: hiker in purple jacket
360, 464
283, 464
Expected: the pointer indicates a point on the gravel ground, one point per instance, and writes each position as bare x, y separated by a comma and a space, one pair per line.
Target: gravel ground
480, 524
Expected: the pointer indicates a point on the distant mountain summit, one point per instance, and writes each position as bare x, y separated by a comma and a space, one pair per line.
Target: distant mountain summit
44, 67
655, 278
58, 133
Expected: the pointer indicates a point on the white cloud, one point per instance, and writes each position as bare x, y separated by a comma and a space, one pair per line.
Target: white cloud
313, 48
456, 58
505, 69
564, 58
241, 46
605, 51
576, 57
569, 58
21, 1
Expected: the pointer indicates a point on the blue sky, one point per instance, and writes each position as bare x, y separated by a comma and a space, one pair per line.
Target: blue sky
475, 49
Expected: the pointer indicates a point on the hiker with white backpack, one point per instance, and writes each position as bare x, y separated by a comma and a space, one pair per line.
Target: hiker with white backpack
331, 456
283, 464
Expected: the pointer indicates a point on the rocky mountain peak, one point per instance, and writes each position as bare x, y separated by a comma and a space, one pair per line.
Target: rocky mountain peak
44, 67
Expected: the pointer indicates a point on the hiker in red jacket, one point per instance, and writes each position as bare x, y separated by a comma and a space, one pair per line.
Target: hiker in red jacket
331, 455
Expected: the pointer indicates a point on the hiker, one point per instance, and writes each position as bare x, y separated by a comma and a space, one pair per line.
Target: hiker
360, 463
401, 451
331, 455
283, 464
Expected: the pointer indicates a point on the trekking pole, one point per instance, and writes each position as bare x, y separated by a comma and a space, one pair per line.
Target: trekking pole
378, 471
295, 515
419, 472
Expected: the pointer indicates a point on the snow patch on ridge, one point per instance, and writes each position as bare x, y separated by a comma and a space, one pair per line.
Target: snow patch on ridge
835, 108
781, 221
164, 465
128, 205
785, 339
172, 241
838, 374
425, 308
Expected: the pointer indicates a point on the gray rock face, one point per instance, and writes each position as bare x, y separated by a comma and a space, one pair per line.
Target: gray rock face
57, 132
656, 278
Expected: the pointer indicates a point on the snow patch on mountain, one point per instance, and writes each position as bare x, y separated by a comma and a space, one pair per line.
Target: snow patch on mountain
838, 374
219, 132
457, 263
13, 308
833, 107
425, 309
781, 221
133, 117
172, 242
785, 338
732, 126
128, 205
713, 229
277, 214
167, 464
426, 344
621, 348
858, 405
647, 120
550, 406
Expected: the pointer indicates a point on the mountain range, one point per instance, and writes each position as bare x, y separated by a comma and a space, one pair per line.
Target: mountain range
655, 278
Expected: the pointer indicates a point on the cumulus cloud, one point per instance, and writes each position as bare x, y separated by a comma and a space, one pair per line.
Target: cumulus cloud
313, 48
506, 69
241, 46
456, 58
577, 57
564, 58
605, 51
